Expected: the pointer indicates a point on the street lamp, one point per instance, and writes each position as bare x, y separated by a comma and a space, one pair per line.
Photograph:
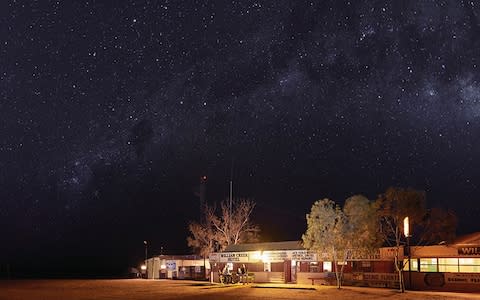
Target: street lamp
406, 232
146, 269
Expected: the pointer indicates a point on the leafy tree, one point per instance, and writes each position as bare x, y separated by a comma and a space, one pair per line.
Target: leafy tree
342, 234
326, 229
363, 234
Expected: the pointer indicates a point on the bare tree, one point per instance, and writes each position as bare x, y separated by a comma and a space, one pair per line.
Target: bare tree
230, 225
233, 225
393, 206
203, 238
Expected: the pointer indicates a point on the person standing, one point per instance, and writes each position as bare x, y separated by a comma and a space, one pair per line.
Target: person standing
243, 274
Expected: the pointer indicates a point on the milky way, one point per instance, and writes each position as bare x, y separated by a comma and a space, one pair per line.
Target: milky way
110, 110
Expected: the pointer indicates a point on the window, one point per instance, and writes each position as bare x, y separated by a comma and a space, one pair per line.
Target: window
327, 266
413, 264
469, 265
267, 267
448, 265
428, 265
314, 267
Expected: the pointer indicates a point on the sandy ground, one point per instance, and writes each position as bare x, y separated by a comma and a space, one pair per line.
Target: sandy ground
167, 289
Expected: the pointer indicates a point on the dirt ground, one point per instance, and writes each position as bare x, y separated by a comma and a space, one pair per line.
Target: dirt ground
142, 289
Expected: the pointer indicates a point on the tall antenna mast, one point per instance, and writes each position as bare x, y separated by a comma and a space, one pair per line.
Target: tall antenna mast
202, 196
231, 187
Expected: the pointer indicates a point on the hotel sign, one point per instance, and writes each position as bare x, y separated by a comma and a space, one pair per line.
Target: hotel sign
265, 256
234, 257
469, 250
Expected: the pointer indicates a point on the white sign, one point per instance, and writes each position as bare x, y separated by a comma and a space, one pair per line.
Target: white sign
171, 265
263, 256
234, 257
304, 255
214, 257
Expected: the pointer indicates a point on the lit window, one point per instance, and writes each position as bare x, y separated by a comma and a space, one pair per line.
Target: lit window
413, 264
314, 267
327, 266
448, 265
469, 265
267, 267
428, 265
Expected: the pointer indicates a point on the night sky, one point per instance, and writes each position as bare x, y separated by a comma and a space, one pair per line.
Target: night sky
111, 111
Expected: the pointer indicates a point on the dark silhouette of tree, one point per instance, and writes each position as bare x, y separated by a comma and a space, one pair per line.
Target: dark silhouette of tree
437, 226
393, 206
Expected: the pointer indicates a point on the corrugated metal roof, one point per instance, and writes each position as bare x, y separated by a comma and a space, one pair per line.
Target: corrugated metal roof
287, 245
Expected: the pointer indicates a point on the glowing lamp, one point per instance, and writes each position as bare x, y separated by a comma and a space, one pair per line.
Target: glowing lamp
406, 227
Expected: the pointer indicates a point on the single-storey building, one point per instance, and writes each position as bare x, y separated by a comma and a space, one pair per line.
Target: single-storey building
289, 262
445, 267
178, 267
452, 267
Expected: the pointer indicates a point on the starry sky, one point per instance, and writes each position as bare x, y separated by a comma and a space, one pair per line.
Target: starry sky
111, 111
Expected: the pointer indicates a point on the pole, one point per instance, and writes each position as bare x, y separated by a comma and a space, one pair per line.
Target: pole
231, 184
409, 264
146, 256
231, 188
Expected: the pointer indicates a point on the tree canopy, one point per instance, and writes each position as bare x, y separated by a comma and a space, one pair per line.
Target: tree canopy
339, 235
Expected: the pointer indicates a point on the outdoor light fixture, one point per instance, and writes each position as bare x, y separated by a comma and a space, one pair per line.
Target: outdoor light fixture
406, 227
143, 267
406, 232
257, 255
265, 257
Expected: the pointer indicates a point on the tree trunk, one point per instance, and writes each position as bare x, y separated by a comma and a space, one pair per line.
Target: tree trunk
401, 284
335, 266
347, 254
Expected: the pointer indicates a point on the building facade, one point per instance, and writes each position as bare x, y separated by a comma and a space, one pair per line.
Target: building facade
178, 267
454, 267
445, 267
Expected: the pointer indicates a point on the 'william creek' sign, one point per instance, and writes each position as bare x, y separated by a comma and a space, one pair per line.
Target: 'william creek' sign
469, 251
